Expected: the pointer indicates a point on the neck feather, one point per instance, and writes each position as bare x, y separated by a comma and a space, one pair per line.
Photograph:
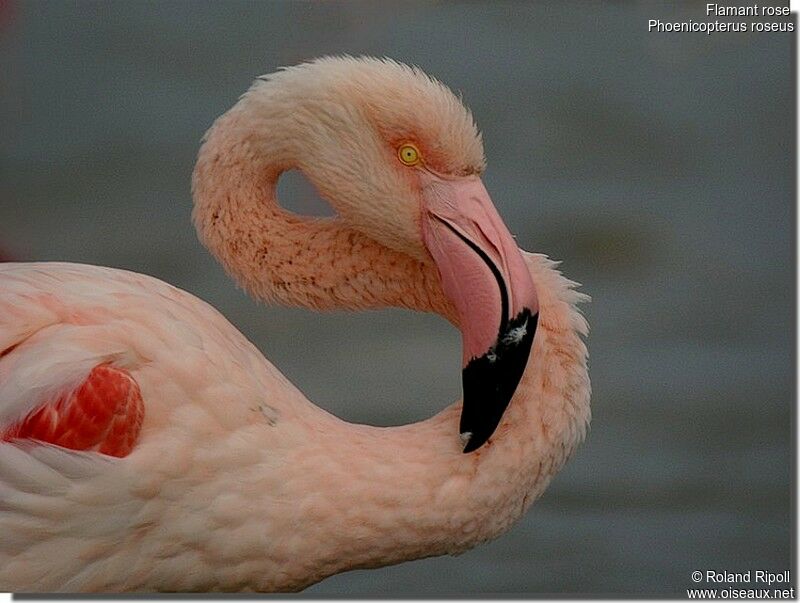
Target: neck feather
319, 263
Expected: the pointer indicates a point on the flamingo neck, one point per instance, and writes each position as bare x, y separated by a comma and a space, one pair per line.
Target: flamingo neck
363, 496
277, 255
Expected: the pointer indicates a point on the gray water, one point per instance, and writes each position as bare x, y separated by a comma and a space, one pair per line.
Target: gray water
658, 167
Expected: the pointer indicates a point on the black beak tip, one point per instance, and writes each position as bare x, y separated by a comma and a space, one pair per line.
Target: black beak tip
489, 382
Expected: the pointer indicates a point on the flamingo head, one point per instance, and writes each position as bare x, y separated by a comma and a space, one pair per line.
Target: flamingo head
399, 157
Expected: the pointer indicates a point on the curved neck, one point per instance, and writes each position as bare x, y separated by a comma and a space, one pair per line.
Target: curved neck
382, 495
276, 255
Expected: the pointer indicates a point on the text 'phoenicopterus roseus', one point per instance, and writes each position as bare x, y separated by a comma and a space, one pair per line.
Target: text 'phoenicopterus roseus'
145, 444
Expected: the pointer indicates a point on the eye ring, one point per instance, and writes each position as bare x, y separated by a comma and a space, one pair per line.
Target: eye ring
408, 154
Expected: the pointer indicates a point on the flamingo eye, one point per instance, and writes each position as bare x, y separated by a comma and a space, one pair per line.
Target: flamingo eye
409, 154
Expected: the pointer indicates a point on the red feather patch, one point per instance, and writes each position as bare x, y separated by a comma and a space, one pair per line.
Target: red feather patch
104, 414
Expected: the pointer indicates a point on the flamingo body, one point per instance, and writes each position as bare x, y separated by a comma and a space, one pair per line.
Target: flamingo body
204, 387
147, 445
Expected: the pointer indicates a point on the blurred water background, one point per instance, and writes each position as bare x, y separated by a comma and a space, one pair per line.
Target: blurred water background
659, 167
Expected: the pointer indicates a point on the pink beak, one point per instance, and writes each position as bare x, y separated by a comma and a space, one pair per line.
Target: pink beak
485, 277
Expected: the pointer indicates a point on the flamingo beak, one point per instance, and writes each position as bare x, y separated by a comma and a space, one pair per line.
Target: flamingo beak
485, 277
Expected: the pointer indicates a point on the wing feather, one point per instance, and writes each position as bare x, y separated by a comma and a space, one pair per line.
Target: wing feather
63, 375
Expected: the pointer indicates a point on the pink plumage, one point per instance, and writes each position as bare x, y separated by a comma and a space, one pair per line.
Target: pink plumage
146, 444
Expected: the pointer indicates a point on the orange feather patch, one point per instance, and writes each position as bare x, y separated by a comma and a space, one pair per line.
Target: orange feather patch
104, 414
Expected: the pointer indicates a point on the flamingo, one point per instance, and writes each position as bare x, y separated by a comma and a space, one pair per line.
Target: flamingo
147, 445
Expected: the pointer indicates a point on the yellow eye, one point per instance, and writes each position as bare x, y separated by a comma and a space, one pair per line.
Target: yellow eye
409, 154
